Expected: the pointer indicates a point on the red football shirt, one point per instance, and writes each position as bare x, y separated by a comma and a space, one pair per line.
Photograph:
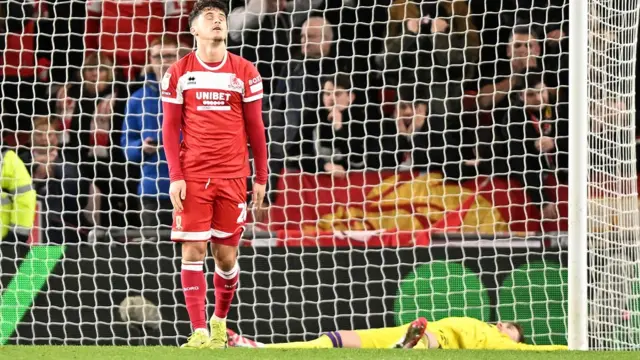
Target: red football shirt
214, 136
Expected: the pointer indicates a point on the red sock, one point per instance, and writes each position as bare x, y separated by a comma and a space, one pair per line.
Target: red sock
225, 283
194, 287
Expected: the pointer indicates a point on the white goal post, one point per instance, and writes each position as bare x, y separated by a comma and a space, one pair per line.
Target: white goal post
427, 158
603, 265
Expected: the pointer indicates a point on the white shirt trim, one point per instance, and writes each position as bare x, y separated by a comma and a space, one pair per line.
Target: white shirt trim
171, 100
224, 60
190, 235
253, 98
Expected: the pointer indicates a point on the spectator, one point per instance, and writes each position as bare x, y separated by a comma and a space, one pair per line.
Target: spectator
526, 142
523, 53
93, 109
125, 29
68, 200
336, 145
17, 66
260, 32
548, 16
17, 198
438, 46
404, 138
141, 136
294, 101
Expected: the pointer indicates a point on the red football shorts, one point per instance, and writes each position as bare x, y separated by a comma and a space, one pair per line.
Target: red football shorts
213, 210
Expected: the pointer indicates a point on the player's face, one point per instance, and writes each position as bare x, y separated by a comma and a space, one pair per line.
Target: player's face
332, 95
315, 38
162, 57
409, 112
509, 330
523, 46
44, 137
535, 98
211, 25
96, 77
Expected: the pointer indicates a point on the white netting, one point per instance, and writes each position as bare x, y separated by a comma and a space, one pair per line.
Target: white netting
613, 216
427, 178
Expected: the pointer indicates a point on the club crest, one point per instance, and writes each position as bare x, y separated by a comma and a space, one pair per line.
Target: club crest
235, 83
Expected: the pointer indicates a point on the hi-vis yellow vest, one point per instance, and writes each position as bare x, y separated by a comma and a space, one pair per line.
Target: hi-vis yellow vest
17, 197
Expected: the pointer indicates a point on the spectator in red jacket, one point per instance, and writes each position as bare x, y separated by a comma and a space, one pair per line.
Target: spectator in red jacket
126, 28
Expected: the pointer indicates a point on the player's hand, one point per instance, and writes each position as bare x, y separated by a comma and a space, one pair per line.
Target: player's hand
545, 144
555, 35
258, 196
335, 170
550, 212
413, 25
149, 146
177, 193
439, 25
335, 115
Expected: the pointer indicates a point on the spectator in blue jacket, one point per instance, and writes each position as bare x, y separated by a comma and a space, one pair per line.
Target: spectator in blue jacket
142, 134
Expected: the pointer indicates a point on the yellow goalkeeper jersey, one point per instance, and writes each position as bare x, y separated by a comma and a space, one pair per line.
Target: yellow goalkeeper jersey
451, 333
469, 333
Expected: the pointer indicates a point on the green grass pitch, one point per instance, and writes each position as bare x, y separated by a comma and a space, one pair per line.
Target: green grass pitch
159, 353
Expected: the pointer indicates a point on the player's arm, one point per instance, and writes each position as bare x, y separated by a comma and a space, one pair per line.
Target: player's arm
505, 343
17, 181
252, 110
131, 139
171, 124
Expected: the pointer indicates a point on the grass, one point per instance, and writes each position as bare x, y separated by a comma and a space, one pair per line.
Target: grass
159, 353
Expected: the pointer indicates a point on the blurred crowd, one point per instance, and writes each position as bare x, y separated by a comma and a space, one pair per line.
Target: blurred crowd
461, 87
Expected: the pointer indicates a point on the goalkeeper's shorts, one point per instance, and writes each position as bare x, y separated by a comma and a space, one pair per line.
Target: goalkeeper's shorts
385, 338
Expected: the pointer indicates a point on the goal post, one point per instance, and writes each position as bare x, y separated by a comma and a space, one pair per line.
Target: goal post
577, 321
604, 227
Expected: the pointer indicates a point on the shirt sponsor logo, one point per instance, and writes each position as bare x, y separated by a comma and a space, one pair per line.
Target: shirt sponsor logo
255, 80
212, 95
256, 88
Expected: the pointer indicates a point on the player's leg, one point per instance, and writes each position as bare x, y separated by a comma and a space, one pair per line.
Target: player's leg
229, 215
384, 338
191, 227
325, 341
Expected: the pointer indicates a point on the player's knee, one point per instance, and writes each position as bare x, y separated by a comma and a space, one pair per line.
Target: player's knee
194, 251
347, 339
225, 260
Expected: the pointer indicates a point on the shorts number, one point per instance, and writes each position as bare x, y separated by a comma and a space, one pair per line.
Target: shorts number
243, 213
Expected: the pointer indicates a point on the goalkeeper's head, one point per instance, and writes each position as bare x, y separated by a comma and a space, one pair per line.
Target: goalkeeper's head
511, 329
208, 21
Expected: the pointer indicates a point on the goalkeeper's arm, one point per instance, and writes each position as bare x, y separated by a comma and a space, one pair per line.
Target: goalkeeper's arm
505, 343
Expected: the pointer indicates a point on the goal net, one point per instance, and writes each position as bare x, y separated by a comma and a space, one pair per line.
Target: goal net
418, 158
613, 201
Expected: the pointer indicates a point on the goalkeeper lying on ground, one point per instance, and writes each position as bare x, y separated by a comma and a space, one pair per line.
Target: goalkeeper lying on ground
448, 333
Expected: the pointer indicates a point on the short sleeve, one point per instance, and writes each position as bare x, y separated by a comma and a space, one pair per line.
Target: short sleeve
170, 84
252, 84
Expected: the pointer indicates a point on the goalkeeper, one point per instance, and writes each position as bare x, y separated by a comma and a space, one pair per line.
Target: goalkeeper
448, 333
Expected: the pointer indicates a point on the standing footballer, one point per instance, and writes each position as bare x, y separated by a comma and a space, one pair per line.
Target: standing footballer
215, 99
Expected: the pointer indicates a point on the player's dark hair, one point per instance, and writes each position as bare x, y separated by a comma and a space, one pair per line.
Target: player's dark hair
340, 80
518, 327
524, 30
203, 5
